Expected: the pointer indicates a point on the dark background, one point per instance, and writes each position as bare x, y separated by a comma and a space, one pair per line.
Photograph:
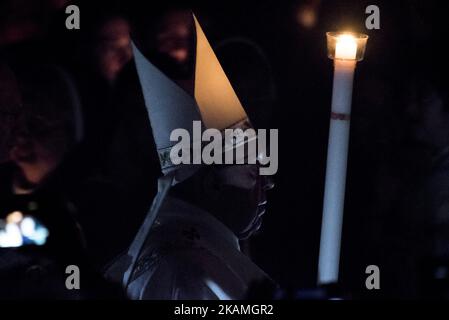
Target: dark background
388, 165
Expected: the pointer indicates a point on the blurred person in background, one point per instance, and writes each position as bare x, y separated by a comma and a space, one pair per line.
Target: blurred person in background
41, 180
111, 46
102, 49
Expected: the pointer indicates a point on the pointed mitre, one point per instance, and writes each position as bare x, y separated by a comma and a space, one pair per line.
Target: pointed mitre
169, 107
219, 105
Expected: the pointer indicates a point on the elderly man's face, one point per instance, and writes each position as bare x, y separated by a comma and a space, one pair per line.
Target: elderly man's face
235, 194
242, 197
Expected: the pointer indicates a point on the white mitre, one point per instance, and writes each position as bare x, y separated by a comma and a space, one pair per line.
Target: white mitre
170, 107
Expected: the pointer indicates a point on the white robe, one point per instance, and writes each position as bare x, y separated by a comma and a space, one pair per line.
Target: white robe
188, 255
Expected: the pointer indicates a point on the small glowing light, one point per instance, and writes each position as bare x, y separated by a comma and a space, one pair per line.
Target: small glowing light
11, 237
307, 17
14, 217
215, 288
346, 47
33, 206
27, 226
18, 230
40, 236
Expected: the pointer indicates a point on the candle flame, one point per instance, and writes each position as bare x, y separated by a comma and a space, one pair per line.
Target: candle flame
346, 47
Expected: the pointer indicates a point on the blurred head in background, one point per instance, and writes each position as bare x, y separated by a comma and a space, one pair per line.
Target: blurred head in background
112, 47
38, 124
22, 20
166, 36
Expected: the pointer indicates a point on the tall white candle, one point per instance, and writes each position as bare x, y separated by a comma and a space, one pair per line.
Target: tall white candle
345, 59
